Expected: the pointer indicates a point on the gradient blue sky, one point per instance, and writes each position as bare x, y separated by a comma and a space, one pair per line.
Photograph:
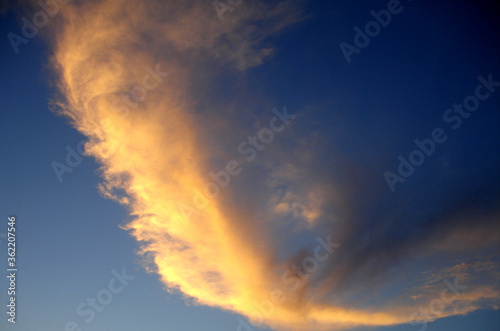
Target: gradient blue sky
368, 111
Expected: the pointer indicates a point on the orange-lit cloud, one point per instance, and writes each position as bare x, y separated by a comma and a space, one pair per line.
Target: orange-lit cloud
155, 158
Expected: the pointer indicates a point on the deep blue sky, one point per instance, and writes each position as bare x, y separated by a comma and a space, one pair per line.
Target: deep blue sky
370, 111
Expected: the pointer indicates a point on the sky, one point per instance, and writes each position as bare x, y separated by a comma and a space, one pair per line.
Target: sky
251, 165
